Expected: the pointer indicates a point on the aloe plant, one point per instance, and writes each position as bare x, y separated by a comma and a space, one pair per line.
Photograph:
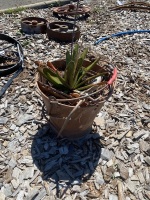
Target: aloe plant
75, 76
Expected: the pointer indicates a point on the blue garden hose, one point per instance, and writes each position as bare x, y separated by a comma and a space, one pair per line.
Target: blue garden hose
120, 34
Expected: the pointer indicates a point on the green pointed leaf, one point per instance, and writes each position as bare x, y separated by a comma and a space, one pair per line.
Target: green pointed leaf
62, 80
68, 58
78, 65
80, 61
75, 52
90, 78
69, 74
40, 70
75, 59
52, 77
77, 75
91, 85
50, 71
86, 69
92, 65
83, 55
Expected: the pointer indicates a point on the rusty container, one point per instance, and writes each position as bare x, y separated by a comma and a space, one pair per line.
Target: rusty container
33, 25
80, 122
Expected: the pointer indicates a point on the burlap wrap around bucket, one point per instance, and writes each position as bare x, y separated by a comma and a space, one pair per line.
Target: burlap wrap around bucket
80, 122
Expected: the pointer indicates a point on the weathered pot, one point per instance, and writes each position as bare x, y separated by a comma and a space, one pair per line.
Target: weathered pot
80, 122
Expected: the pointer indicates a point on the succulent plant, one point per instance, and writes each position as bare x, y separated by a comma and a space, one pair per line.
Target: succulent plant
75, 76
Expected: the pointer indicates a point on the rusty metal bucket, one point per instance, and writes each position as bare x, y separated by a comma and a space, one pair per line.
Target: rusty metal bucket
81, 120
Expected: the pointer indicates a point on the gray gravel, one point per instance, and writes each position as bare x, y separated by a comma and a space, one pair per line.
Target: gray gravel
111, 163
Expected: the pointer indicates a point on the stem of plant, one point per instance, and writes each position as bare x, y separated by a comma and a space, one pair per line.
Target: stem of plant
73, 33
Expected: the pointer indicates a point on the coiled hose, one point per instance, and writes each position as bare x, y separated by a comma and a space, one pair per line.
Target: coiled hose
16, 68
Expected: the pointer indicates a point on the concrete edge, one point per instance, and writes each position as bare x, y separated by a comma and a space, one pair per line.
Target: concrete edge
41, 5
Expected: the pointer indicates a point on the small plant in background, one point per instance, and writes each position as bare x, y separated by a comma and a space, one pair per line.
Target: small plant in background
15, 10
98, 10
25, 43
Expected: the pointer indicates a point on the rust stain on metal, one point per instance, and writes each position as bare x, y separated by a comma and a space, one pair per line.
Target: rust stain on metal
132, 6
62, 31
33, 25
71, 9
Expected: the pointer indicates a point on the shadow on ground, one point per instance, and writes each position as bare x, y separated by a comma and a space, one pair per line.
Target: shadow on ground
64, 162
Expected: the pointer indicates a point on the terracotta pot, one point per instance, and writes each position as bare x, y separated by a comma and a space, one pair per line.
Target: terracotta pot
80, 122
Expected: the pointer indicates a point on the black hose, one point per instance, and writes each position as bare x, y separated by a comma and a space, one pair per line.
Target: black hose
9, 69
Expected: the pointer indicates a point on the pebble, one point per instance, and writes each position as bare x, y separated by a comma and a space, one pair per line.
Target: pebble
76, 188
109, 174
22, 129
15, 183
144, 146
113, 197
13, 127
23, 119
3, 120
16, 172
134, 178
129, 134
127, 198
116, 174
139, 134
28, 172
147, 175
2, 196
20, 196
147, 160
100, 121
132, 185
130, 170
147, 193
124, 173
7, 190
106, 154
141, 177
110, 163
41, 194
146, 106
99, 179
